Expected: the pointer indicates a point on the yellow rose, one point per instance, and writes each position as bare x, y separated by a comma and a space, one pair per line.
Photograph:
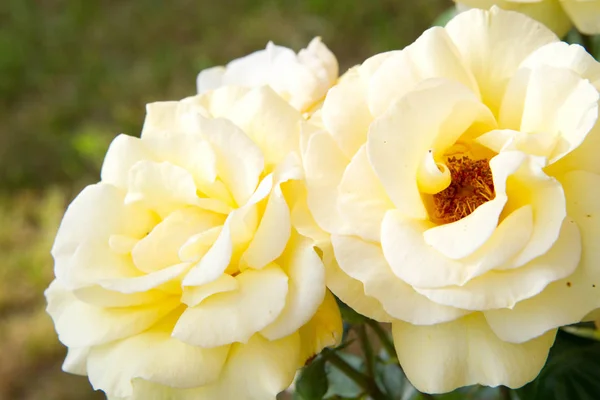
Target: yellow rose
302, 79
179, 275
558, 15
458, 183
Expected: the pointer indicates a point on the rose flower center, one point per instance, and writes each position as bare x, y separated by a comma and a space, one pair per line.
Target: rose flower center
471, 186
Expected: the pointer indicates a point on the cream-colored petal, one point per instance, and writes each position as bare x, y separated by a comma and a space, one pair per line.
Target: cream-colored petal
324, 165
443, 357
365, 262
350, 290
97, 213
564, 55
188, 151
122, 154
548, 12
161, 117
81, 325
160, 248
273, 232
240, 161
306, 288
585, 15
194, 295
235, 316
258, 370
362, 201
571, 298
585, 157
325, 328
214, 262
269, 121
156, 357
162, 187
76, 361
505, 289
210, 79
197, 245
86, 263
429, 118
145, 282
432, 55
565, 111
96, 295
346, 115
531, 185
493, 44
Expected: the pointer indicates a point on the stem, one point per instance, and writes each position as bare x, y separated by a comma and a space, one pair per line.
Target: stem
383, 337
426, 396
587, 43
366, 349
367, 384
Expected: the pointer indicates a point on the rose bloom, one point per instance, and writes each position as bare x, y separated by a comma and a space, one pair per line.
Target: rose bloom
179, 275
558, 15
457, 183
302, 79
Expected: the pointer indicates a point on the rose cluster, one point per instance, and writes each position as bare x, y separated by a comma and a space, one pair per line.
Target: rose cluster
450, 188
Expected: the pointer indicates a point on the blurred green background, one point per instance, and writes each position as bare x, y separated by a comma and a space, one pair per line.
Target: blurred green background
74, 74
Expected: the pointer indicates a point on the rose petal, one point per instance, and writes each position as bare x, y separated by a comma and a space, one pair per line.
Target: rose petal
571, 298
442, 357
365, 262
236, 315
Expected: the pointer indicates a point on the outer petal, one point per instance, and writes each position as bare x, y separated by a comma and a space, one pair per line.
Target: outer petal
443, 357
504, 289
554, 120
585, 14
345, 113
154, 356
493, 44
258, 370
365, 262
571, 298
361, 199
81, 325
240, 161
548, 12
563, 55
235, 316
306, 288
432, 55
76, 361
97, 213
324, 165
123, 153
324, 329
269, 121
209, 79
351, 291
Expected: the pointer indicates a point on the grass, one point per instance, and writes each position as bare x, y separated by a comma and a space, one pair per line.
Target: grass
74, 74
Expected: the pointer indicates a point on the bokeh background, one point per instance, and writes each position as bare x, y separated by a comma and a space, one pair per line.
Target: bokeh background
75, 73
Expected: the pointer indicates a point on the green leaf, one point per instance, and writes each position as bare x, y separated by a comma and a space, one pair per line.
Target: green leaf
446, 16
390, 377
572, 371
312, 383
339, 384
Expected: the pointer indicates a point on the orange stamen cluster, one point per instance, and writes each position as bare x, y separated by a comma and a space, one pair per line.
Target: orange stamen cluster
471, 186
